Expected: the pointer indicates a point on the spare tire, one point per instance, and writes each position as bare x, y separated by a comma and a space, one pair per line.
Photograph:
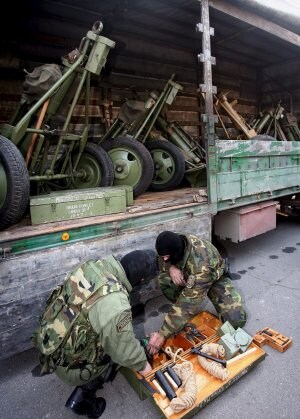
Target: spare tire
14, 184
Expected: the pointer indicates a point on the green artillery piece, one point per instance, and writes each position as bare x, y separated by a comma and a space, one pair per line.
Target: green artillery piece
141, 156
38, 150
269, 123
247, 129
194, 154
274, 121
290, 127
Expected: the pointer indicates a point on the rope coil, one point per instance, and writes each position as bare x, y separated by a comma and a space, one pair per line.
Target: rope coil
212, 367
185, 372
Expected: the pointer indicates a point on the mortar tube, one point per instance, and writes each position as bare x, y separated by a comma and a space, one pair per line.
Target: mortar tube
18, 127
176, 138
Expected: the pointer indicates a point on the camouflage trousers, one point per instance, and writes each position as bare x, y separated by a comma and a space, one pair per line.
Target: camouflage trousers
79, 377
225, 298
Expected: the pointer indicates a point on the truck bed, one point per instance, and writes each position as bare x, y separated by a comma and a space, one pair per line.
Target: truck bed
148, 203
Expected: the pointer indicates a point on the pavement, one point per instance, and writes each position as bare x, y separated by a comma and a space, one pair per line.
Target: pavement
265, 270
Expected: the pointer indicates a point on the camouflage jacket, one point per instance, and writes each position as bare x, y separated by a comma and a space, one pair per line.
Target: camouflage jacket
111, 318
87, 317
201, 266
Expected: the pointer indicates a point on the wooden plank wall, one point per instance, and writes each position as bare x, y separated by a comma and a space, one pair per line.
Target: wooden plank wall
237, 81
273, 91
185, 110
10, 95
131, 73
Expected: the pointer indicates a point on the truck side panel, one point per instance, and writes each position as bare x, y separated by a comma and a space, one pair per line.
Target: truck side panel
254, 171
27, 278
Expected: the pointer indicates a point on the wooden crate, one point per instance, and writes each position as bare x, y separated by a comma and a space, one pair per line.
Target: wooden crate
72, 204
208, 386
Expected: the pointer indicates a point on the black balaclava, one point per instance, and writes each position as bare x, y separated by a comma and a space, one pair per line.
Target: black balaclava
169, 243
140, 264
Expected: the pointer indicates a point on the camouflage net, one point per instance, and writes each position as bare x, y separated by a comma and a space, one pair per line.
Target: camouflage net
185, 372
212, 367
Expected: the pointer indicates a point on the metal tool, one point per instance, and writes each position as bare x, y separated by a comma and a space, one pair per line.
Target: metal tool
197, 351
192, 333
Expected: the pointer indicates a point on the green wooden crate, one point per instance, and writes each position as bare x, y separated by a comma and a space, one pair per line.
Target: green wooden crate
128, 191
72, 204
127, 188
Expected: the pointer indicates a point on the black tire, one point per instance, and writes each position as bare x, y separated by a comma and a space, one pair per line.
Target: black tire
169, 164
132, 162
97, 165
262, 137
14, 184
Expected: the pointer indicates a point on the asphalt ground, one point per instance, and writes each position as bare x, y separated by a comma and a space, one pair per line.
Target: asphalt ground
265, 270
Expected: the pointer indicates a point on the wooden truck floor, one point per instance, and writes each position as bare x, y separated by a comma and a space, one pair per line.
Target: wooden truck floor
149, 202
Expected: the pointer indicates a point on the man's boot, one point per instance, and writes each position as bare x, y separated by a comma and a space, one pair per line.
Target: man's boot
86, 403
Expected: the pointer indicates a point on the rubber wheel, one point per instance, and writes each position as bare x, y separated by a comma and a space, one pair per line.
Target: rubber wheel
14, 184
97, 168
169, 164
262, 137
132, 162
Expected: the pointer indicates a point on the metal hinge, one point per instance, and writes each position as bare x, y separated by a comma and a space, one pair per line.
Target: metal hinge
5, 253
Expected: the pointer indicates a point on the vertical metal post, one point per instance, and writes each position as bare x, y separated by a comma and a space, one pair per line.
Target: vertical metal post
291, 103
259, 88
208, 119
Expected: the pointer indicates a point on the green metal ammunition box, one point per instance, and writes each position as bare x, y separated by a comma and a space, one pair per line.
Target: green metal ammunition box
242, 339
71, 204
230, 345
225, 328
